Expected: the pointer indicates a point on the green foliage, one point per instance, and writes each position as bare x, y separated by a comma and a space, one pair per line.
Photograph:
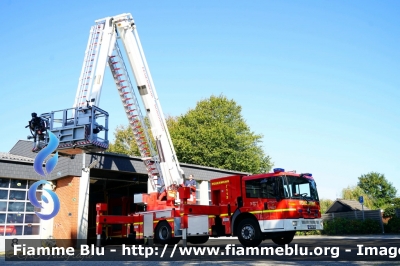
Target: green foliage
396, 202
215, 134
393, 225
325, 204
353, 193
389, 212
308, 233
125, 142
343, 226
378, 188
390, 209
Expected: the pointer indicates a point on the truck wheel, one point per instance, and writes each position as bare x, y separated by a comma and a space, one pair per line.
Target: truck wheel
284, 239
249, 233
163, 233
198, 239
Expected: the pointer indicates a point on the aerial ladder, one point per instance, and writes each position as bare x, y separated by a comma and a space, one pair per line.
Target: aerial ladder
84, 127
252, 207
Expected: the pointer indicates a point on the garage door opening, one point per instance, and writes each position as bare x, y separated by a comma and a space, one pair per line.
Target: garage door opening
117, 190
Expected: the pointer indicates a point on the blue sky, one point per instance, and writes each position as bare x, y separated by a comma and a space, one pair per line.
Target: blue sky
319, 79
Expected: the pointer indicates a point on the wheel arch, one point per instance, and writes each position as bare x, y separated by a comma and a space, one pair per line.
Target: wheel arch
240, 216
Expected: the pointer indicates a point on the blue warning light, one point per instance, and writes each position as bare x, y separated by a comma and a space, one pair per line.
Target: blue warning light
278, 170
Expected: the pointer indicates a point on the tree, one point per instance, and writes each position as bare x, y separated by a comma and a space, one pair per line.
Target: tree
125, 142
354, 193
215, 134
378, 188
390, 210
212, 134
396, 203
325, 204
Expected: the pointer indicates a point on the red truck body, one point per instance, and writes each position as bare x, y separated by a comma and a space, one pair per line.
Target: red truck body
253, 208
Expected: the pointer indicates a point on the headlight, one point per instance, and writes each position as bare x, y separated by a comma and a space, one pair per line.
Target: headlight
294, 223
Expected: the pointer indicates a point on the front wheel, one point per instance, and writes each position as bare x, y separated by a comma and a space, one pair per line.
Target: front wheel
284, 239
249, 233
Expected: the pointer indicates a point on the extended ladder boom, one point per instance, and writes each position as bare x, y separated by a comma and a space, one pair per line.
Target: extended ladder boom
103, 49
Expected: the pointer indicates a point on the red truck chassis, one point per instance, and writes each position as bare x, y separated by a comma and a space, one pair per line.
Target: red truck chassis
253, 208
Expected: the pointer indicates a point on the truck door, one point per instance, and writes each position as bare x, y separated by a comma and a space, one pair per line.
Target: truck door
255, 200
272, 196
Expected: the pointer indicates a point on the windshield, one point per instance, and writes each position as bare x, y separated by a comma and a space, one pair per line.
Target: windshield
301, 188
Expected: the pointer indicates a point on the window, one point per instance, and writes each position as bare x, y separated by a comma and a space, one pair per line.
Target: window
4, 183
302, 188
17, 183
3, 194
17, 214
17, 195
262, 188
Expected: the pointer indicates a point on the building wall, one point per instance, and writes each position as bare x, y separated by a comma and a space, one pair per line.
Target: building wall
17, 215
66, 221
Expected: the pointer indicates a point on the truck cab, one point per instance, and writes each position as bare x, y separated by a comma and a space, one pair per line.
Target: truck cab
271, 205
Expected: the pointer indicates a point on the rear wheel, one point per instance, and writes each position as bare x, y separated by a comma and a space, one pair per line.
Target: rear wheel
284, 239
163, 233
249, 233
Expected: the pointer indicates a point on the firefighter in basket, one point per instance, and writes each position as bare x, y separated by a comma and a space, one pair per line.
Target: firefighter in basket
192, 184
38, 130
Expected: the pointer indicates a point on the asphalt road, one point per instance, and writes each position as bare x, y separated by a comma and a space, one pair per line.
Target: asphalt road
310, 250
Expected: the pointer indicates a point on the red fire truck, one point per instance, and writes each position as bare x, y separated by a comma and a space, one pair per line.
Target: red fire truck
253, 208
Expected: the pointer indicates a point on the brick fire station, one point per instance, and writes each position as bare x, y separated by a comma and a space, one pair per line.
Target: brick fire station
79, 183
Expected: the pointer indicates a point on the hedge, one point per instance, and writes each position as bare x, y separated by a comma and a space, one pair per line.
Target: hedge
344, 226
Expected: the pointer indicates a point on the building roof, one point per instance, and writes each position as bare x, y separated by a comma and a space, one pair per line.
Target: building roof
23, 148
342, 205
105, 161
11, 157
